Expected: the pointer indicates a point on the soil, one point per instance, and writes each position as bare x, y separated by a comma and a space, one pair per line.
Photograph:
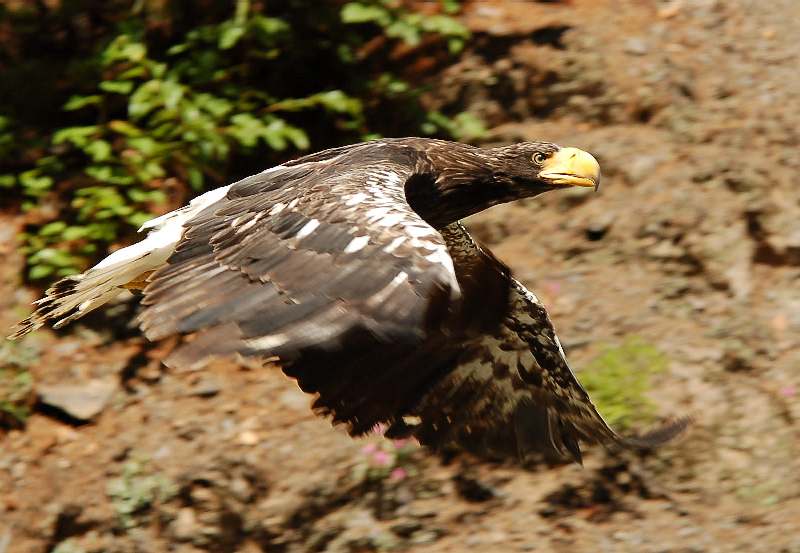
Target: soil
692, 244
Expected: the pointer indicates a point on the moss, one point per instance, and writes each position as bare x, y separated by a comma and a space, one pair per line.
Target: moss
136, 490
16, 383
619, 378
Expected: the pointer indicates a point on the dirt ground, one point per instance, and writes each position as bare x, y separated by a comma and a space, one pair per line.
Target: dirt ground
692, 244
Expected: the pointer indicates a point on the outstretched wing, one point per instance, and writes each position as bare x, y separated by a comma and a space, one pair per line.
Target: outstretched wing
511, 393
305, 255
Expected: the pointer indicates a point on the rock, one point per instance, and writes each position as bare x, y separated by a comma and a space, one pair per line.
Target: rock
207, 386
80, 401
636, 46
406, 528
597, 228
185, 526
248, 437
5, 541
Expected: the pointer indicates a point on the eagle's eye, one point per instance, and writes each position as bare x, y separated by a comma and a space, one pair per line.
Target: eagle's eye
538, 158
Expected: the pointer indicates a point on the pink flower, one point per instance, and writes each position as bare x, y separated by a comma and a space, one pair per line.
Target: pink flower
788, 391
369, 449
381, 458
398, 474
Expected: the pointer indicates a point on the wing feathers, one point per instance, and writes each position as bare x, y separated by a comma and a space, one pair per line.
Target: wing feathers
282, 260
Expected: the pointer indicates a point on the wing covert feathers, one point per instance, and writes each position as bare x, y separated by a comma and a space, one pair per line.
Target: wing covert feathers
305, 257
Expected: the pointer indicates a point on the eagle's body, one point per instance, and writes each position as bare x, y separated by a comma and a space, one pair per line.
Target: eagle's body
350, 266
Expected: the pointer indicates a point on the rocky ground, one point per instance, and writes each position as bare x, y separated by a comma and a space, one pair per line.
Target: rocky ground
692, 245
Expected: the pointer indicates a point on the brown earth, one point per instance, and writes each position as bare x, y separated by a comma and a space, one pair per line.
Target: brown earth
693, 244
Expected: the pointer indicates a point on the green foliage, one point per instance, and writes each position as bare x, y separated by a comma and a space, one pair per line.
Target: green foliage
167, 103
619, 379
410, 27
16, 383
136, 490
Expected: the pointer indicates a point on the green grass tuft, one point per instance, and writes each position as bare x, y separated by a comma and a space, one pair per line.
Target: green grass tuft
619, 378
16, 383
136, 490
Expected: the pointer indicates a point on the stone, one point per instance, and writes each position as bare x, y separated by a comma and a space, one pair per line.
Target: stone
80, 401
636, 46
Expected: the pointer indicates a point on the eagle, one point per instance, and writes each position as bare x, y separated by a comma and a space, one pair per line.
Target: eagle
350, 267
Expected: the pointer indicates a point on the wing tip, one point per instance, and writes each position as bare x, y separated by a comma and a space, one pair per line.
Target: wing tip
661, 434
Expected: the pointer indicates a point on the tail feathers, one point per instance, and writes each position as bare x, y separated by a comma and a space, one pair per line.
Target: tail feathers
73, 297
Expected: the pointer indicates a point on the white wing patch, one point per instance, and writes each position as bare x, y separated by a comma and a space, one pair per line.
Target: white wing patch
307, 229
103, 282
355, 199
356, 244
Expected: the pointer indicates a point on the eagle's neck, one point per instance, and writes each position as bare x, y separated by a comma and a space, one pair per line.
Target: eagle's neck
457, 183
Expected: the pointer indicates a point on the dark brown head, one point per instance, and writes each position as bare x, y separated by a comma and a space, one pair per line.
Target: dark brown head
535, 167
464, 180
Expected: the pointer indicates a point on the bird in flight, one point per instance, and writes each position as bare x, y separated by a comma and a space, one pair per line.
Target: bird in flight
351, 266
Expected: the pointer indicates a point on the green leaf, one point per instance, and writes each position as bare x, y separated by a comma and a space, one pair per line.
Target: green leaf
297, 137
78, 102
147, 196
270, 27
450, 6
357, 12
37, 272
116, 87
78, 136
107, 174
123, 49
246, 129
444, 25
99, 150
172, 92
195, 177
135, 72
146, 145
7, 181
464, 126
332, 100
230, 35
75, 233
124, 127
145, 99
178, 49
35, 183
405, 31
467, 126
50, 229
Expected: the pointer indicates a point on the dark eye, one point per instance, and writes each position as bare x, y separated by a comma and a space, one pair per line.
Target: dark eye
539, 158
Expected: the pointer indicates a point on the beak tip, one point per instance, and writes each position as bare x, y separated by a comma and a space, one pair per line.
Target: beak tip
573, 167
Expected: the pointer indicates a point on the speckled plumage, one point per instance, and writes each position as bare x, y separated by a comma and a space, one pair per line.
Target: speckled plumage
350, 266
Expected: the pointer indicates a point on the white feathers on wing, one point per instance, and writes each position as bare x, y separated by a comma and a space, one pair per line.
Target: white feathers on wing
103, 282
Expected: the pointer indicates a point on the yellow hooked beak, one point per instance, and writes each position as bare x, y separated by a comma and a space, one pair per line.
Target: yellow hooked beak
571, 167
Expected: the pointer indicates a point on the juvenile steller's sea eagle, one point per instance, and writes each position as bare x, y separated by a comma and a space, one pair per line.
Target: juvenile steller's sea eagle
350, 265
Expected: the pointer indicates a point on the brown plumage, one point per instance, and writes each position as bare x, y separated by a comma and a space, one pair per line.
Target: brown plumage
350, 266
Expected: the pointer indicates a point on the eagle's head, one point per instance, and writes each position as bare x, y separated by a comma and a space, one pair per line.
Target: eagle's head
461, 180
535, 167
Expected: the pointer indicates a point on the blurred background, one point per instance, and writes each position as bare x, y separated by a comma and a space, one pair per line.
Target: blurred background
675, 289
